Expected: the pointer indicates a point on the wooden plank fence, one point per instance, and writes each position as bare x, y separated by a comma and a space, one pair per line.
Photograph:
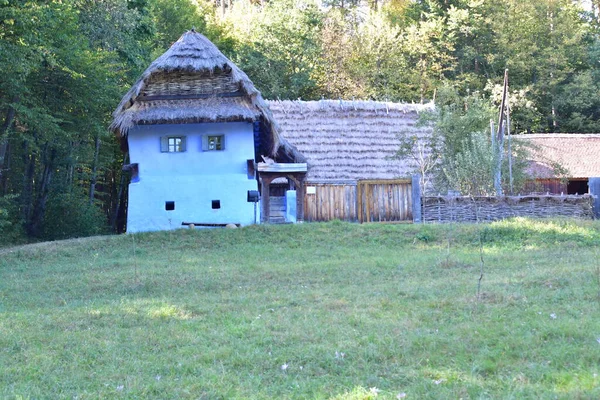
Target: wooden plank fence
362, 201
329, 201
384, 200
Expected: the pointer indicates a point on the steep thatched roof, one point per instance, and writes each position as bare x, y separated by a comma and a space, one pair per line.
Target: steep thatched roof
350, 139
194, 82
578, 153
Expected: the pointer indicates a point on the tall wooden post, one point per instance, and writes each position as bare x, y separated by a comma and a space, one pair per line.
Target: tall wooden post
265, 198
594, 184
500, 138
416, 199
300, 195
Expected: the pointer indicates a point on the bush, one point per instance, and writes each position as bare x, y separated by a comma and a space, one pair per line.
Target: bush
11, 229
69, 215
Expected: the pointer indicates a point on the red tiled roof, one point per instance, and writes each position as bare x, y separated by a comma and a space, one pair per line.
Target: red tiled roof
578, 153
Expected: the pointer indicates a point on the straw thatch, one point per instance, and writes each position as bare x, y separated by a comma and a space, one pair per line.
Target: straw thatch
194, 82
578, 153
350, 139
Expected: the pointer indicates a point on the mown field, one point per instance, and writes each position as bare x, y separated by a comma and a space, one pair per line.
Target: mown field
313, 311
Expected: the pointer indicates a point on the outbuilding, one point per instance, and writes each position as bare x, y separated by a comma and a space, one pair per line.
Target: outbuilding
351, 148
562, 162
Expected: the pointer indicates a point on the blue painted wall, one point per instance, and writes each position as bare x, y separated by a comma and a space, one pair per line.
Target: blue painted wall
192, 179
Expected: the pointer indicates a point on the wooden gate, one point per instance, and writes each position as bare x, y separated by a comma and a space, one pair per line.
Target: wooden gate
329, 201
384, 200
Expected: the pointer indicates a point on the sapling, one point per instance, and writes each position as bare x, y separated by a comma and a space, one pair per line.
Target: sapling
481, 261
135, 264
481, 265
598, 275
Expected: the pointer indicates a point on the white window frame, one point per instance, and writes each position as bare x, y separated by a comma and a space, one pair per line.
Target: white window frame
169, 144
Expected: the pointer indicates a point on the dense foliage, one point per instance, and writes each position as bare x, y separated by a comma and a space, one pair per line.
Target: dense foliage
65, 64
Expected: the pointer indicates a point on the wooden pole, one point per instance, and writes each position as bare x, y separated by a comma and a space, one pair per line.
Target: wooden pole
500, 138
510, 172
300, 195
416, 199
265, 198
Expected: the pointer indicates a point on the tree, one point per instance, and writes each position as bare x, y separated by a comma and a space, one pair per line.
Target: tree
281, 51
459, 155
58, 98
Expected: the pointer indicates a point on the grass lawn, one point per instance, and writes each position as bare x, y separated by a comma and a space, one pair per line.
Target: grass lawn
312, 311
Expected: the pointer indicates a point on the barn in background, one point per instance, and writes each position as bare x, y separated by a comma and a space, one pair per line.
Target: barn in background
576, 154
350, 148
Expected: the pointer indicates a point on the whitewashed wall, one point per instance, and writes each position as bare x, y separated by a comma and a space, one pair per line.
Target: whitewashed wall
192, 179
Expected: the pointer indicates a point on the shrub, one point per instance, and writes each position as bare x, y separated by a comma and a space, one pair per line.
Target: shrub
11, 230
70, 215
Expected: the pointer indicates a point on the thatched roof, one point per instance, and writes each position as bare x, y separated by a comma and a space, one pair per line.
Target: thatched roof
350, 139
194, 82
578, 153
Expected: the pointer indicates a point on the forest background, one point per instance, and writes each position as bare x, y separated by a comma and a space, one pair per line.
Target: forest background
66, 63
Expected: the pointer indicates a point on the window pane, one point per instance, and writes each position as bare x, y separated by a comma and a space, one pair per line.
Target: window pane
215, 143
175, 144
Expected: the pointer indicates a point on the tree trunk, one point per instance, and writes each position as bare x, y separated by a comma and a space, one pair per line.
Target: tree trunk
94, 170
122, 183
4, 177
27, 192
39, 211
8, 121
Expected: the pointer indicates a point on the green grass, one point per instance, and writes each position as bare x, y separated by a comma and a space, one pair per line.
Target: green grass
217, 314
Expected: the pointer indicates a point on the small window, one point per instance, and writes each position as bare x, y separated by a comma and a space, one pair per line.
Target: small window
216, 204
213, 142
172, 144
169, 205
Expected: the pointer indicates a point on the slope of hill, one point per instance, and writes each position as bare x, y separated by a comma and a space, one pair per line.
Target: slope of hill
332, 310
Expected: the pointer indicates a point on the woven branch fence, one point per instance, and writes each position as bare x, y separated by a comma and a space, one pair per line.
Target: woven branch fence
473, 209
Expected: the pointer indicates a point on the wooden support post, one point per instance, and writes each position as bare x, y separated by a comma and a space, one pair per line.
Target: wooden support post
594, 185
265, 202
416, 199
300, 195
359, 202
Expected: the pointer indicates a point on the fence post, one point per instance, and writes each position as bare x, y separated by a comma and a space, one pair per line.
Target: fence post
594, 184
416, 199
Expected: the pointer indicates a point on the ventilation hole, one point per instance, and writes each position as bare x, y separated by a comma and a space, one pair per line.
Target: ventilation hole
169, 205
216, 204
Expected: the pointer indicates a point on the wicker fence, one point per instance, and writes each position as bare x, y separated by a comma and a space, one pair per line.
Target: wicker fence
472, 209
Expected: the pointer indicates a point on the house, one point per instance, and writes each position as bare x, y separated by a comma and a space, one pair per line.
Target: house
350, 148
577, 154
195, 128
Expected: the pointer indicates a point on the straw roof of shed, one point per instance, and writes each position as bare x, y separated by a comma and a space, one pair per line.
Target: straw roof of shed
350, 140
194, 82
578, 153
